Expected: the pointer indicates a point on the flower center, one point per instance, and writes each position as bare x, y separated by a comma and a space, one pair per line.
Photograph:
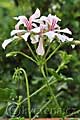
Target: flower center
52, 26
29, 26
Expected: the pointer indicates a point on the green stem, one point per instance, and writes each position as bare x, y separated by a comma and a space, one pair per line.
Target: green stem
44, 106
40, 89
18, 105
76, 42
47, 51
27, 86
59, 68
46, 71
73, 113
43, 73
53, 52
50, 90
31, 51
21, 53
15, 111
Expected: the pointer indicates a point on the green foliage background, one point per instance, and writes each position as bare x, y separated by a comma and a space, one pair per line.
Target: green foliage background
69, 12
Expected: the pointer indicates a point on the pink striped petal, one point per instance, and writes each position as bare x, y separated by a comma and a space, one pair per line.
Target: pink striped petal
35, 15
51, 18
22, 20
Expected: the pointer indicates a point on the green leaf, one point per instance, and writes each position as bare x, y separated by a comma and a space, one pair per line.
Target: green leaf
4, 94
65, 57
63, 77
2, 108
53, 72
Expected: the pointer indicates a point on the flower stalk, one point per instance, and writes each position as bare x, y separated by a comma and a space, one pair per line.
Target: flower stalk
27, 86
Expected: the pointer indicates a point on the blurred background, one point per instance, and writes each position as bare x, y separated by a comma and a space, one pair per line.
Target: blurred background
69, 12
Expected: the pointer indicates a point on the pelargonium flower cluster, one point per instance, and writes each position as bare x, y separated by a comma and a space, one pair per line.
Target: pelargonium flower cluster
37, 28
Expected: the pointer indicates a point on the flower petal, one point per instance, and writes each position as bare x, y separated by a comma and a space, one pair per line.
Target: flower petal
63, 38
52, 18
50, 35
13, 32
34, 25
36, 30
35, 15
43, 18
6, 42
66, 30
34, 39
40, 49
25, 36
37, 21
22, 20
17, 25
73, 46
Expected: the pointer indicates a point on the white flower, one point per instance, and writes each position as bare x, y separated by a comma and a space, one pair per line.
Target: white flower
22, 33
47, 26
39, 38
54, 29
27, 23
